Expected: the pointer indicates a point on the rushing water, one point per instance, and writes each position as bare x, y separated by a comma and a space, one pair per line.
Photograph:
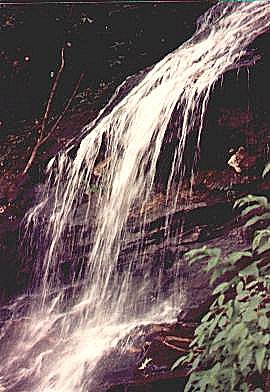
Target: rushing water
57, 344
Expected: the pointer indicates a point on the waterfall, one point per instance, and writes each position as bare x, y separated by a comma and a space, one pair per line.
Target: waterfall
68, 327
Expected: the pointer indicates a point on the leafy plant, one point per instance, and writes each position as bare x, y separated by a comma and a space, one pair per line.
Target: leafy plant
231, 345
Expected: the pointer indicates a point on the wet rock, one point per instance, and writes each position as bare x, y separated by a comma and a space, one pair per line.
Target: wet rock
194, 313
149, 354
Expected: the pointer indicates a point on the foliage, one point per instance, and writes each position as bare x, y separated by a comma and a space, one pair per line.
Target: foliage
231, 345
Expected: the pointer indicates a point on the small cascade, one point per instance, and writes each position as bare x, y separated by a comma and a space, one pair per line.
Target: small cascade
70, 325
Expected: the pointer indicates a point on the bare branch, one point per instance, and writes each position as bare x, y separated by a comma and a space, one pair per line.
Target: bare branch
62, 114
52, 94
43, 136
31, 159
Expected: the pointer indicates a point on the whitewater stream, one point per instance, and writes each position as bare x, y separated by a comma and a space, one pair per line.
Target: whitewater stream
55, 344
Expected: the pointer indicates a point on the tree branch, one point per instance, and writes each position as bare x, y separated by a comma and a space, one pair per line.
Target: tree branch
43, 136
62, 114
52, 94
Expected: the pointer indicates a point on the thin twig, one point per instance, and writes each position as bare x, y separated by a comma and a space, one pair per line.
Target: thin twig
31, 159
52, 94
60, 117
42, 136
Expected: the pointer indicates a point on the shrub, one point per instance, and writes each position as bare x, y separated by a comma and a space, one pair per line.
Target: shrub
231, 345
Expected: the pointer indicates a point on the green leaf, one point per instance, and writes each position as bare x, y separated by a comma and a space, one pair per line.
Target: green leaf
263, 248
263, 322
195, 252
197, 258
229, 312
265, 339
196, 363
260, 235
239, 287
221, 288
249, 199
250, 270
259, 357
221, 299
206, 317
245, 358
236, 256
255, 219
213, 325
212, 263
249, 315
248, 209
222, 321
200, 330
266, 170
239, 331
214, 252
254, 302
179, 362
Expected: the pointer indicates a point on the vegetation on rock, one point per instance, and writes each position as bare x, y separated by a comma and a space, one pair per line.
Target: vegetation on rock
230, 350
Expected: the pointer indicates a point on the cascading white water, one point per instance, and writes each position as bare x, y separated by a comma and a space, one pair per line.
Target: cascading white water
59, 343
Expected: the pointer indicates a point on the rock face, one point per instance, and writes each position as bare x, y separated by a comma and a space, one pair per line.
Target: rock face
146, 363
